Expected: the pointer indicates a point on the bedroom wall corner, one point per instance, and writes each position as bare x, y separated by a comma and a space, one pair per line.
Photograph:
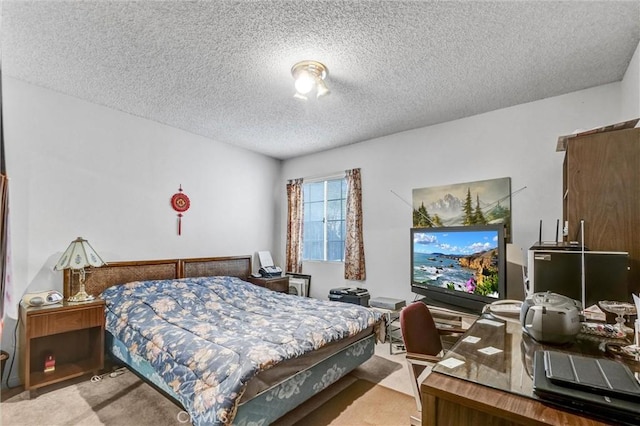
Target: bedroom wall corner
81, 169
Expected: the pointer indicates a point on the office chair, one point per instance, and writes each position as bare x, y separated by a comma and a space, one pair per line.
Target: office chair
423, 342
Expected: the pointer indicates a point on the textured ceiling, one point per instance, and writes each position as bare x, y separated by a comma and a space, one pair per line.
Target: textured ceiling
222, 69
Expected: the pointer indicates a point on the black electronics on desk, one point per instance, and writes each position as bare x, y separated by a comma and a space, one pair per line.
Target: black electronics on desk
614, 405
606, 274
357, 296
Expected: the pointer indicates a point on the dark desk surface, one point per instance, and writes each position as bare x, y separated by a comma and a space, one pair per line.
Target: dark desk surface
509, 366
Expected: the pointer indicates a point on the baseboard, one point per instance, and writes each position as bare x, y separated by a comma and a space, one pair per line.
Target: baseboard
416, 419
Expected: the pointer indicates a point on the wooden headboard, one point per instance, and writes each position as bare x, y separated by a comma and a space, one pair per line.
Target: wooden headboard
98, 279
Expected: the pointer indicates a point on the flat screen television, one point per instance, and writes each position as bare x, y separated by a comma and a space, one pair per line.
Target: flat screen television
461, 267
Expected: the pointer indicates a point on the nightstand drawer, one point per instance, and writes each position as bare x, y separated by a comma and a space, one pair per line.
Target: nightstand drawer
63, 321
279, 284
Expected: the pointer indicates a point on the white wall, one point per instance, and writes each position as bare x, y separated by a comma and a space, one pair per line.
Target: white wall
517, 142
630, 88
80, 169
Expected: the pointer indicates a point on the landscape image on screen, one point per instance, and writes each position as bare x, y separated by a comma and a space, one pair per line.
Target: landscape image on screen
461, 261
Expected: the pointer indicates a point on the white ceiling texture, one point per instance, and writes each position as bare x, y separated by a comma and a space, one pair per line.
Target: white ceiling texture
222, 69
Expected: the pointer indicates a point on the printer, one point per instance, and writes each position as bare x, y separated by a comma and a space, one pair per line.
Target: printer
355, 295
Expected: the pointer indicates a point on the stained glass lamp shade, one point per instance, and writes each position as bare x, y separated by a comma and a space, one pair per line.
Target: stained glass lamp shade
78, 256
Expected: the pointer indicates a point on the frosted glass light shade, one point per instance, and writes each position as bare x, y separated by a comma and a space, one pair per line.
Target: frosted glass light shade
322, 89
76, 257
304, 83
79, 255
309, 75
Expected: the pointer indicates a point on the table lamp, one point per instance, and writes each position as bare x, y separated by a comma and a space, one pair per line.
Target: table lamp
78, 256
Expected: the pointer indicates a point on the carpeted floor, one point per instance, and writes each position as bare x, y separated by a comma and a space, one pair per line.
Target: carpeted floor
121, 400
359, 403
354, 400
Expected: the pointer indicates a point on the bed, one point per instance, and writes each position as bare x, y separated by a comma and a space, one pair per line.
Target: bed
226, 350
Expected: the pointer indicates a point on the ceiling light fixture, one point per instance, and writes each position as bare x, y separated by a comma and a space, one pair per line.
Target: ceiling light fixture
309, 75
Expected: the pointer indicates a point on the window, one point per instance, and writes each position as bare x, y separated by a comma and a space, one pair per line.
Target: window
325, 209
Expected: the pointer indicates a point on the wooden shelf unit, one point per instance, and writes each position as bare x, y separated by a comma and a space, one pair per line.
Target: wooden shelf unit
601, 185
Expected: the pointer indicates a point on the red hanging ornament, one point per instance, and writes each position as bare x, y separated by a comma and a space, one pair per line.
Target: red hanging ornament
180, 203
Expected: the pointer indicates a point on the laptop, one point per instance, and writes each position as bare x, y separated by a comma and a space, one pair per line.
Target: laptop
623, 408
599, 375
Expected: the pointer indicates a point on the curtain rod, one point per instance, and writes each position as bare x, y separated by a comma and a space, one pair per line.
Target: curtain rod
328, 176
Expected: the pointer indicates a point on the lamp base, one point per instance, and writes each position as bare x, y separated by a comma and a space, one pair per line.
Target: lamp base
81, 296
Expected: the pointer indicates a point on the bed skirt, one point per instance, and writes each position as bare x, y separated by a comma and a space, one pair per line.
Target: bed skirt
276, 401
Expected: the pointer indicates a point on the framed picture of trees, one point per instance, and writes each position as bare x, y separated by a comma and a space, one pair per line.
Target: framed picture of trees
470, 203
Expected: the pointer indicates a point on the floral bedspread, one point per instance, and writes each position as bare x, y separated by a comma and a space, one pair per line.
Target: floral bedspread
207, 337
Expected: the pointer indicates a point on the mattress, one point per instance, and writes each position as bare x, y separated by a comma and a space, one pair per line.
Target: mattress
282, 371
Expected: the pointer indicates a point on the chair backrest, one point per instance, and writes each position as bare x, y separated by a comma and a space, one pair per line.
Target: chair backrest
419, 330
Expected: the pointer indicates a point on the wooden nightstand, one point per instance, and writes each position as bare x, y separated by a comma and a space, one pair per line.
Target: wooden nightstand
280, 284
72, 332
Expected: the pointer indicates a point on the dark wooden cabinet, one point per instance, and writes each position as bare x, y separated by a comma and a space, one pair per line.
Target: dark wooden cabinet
73, 333
601, 185
280, 284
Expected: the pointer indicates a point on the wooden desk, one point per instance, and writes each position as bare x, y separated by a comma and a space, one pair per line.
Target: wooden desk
447, 400
493, 389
